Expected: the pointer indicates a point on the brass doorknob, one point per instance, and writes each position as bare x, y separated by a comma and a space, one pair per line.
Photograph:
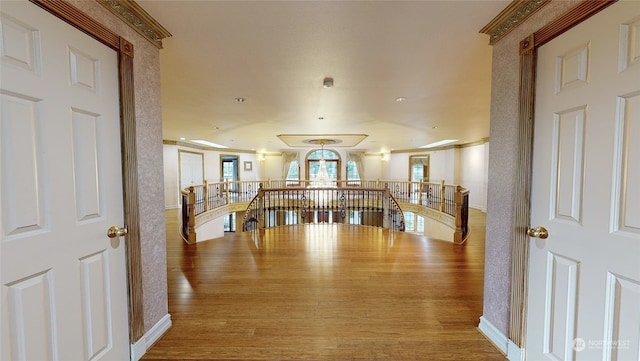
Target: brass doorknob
115, 231
538, 232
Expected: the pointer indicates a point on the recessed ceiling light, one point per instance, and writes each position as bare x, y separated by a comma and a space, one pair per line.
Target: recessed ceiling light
327, 83
208, 143
442, 142
400, 99
240, 100
183, 138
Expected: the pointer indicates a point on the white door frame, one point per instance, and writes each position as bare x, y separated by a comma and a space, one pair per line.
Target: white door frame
522, 205
124, 49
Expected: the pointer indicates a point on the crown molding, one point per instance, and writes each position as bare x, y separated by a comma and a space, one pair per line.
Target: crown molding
509, 18
138, 19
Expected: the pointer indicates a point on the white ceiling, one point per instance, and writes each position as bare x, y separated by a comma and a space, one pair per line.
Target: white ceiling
275, 55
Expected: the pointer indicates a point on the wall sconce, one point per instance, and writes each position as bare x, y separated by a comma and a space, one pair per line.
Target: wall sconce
262, 157
383, 157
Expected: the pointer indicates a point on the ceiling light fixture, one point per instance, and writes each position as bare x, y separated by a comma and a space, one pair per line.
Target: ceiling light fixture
400, 99
239, 100
322, 178
442, 142
208, 143
327, 83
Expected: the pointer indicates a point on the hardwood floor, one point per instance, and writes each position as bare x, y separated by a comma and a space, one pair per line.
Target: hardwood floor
325, 292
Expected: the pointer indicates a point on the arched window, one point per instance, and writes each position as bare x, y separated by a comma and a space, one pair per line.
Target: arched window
331, 160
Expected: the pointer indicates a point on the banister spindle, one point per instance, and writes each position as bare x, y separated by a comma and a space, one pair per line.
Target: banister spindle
205, 194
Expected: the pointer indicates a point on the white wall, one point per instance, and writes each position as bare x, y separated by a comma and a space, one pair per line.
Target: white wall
437, 230
373, 166
271, 167
210, 230
473, 174
441, 165
464, 166
171, 176
397, 167
211, 169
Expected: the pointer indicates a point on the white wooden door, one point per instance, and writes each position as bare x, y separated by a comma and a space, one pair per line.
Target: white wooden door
584, 279
191, 166
64, 294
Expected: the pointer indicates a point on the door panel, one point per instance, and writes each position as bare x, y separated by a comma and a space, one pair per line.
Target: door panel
560, 304
64, 292
568, 164
583, 279
626, 164
621, 316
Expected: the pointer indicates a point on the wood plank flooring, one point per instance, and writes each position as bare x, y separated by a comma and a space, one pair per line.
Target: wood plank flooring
325, 292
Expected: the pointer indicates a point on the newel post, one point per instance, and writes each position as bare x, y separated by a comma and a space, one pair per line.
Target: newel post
457, 235
191, 209
227, 190
386, 208
205, 193
260, 211
420, 193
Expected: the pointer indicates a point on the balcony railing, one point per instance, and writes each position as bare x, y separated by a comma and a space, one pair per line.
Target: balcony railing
273, 203
274, 207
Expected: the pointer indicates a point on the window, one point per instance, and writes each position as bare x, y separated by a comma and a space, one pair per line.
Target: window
413, 223
293, 175
230, 222
229, 171
355, 217
419, 168
332, 163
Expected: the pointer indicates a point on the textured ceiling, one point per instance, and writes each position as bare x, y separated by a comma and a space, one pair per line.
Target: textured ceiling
275, 55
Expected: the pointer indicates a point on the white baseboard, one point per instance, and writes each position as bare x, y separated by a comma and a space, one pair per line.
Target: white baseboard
493, 334
514, 353
505, 345
139, 348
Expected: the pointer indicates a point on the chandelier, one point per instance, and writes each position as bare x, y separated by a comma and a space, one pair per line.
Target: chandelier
322, 178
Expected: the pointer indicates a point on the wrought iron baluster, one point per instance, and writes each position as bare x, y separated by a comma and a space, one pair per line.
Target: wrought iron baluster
342, 205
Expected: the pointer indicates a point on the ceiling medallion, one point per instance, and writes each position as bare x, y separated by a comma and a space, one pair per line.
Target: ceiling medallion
338, 140
322, 141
